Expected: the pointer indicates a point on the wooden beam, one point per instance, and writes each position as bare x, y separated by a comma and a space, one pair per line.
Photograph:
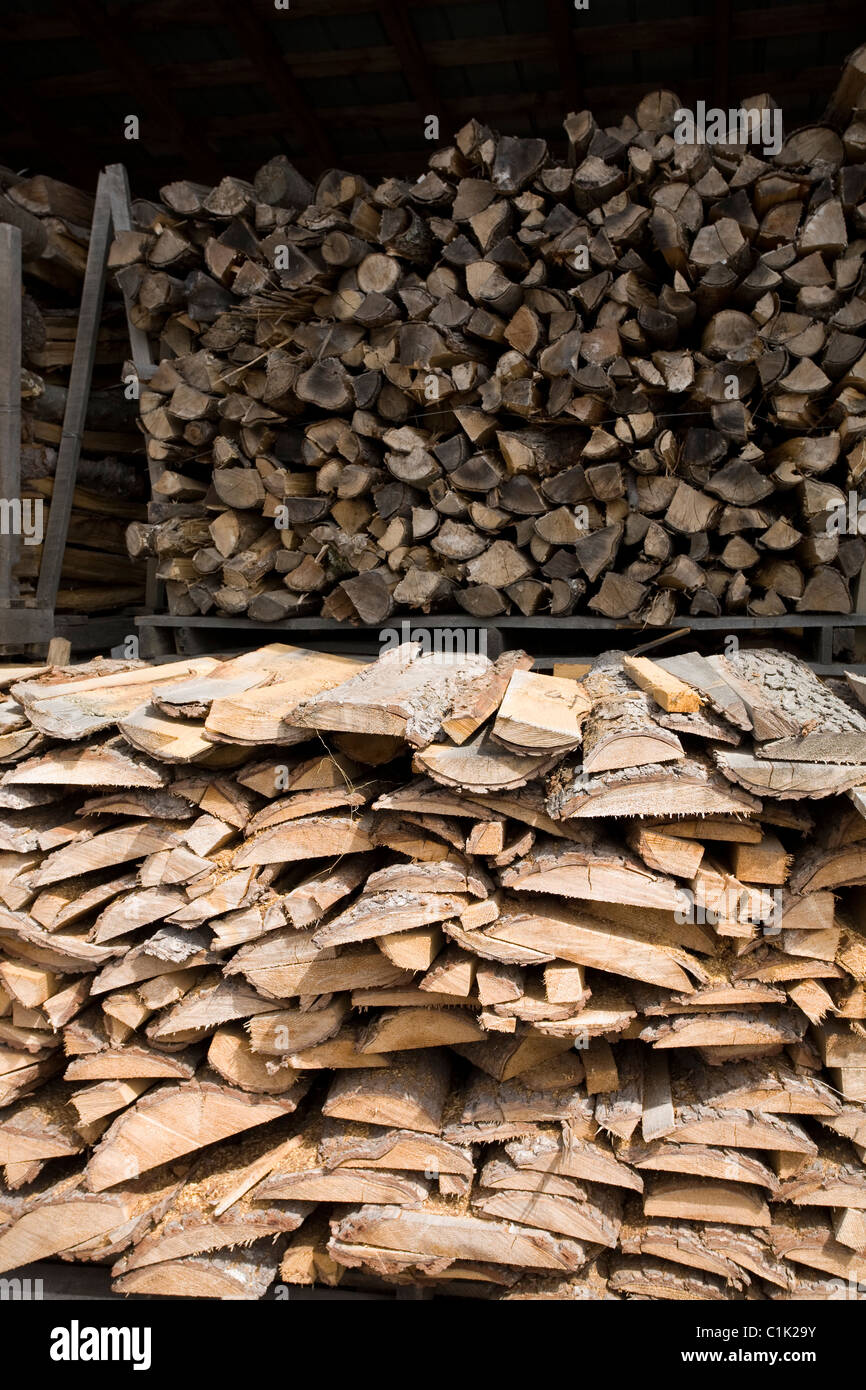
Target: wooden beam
444, 53
80, 377
561, 40
256, 41
413, 61
500, 106
158, 107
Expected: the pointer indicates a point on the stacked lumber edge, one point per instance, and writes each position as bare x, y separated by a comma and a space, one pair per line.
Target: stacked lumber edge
436, 971
630, 380
55, 219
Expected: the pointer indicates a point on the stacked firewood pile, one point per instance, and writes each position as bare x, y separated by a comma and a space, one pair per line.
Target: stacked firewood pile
628, 381
436, 970
55, 219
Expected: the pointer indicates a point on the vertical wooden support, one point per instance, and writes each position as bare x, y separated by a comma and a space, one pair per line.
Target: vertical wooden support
121, 217
10, 394
76, 402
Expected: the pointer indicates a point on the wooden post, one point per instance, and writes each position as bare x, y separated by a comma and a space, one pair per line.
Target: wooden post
10, 394
76, 403
121, 217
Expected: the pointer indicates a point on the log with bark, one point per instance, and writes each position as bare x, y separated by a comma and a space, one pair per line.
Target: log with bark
270, 1009
628, 383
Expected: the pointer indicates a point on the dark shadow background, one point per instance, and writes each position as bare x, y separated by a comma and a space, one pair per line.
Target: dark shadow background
221, 87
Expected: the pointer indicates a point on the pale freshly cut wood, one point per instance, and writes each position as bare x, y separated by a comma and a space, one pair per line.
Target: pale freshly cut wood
399, 1030
285, 1031
481, 765
68, 1221
817, 868
159, 735
541, 713
422, 796
566, 932
379, 914
710, 828
37, 1128
657, 1279
456, 874
108, 849
484, 1101
665, 852
834, 1178
698, 1160
309, 803
347, 1145
211, 1002
506, 1057
620, 730
260, 715
279, 978
594, 1218
246, 1273
786, 779
658, 1117
699, 1199
768, 1030
132, 1060
696, 671
438, 1233
689, 787
139, 908
212, 1211
75, 709
306, 1259
410, 1095
311, 837
232, 1057
771, 1086
109, 764
480, 697
808, 1239
593, 868
194, 696
668, 691
310, 899
415, 949
172, 1120
103, 1098
680, 1243
405, 695
350, 1185
584, 1159
849, 1228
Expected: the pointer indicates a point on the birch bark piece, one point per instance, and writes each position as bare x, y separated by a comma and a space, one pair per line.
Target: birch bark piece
405, 695
620, 730
687, 788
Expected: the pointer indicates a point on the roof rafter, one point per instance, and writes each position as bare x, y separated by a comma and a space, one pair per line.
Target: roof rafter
413, 61
257, 43
159, 108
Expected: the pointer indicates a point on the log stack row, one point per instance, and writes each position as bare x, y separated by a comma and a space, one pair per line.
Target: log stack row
436, 971
630, 380
98, 574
